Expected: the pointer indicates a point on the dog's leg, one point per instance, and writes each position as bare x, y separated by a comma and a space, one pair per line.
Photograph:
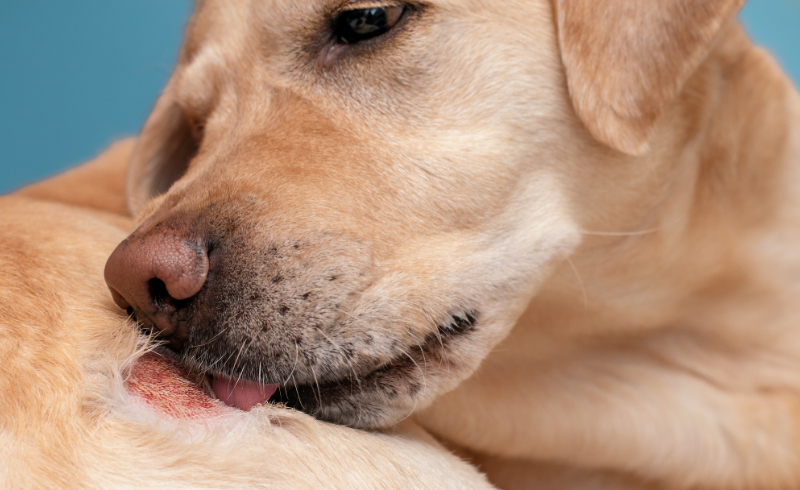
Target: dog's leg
673, 416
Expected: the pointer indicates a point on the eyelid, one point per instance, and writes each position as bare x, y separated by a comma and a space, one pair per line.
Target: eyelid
357, 5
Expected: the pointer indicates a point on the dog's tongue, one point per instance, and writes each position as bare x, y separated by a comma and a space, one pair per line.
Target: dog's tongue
241, 394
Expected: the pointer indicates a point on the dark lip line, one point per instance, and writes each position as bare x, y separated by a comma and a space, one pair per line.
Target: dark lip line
459, 325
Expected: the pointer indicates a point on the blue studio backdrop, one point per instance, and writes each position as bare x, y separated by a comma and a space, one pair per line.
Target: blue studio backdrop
77, 74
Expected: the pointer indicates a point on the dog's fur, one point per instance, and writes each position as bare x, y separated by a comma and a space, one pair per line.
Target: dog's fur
66, 417
615, 180
592, 204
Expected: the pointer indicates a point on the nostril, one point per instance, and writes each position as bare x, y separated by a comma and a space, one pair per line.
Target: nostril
158, 292
181, 266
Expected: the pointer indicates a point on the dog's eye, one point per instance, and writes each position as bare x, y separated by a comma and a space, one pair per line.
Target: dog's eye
357, 25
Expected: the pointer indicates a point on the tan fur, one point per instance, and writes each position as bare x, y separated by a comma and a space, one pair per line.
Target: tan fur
98, 184
67, 422
626, 61
666, 347
610, 187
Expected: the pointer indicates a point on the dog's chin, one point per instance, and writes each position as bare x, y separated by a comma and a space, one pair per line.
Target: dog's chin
365, 400
378, 398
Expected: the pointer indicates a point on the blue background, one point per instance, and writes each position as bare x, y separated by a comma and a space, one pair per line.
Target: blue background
76, 74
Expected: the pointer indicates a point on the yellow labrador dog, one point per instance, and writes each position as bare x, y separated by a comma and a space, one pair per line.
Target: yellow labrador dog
563, 234
86, 406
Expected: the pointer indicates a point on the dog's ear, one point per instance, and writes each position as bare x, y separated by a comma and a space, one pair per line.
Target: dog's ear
626, 60
165, 147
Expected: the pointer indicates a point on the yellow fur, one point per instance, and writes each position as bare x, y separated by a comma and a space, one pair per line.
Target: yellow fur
66, 420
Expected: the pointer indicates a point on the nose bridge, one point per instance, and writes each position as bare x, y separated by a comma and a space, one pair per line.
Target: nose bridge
290, 127
283, 145
285, 155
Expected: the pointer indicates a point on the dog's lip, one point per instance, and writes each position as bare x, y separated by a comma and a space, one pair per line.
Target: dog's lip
241, 393
311, 397
350, 382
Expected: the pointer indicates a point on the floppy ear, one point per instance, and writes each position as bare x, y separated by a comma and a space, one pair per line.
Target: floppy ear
626, 60
162, 154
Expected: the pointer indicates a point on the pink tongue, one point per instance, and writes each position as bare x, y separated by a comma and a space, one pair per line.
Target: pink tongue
241, 394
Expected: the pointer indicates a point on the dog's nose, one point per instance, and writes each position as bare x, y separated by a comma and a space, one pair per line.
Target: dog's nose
149, 274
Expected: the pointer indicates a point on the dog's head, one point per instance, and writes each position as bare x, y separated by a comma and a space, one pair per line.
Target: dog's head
355, 200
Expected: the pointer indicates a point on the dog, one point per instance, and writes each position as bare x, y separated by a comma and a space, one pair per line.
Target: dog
560, 234
87, 404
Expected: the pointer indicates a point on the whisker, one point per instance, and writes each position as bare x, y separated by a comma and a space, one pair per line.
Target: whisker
421, 371
635, 232
215, 337
621, 233
580, 282
348, 362
297, 390
291, 374
236, 361
318, 393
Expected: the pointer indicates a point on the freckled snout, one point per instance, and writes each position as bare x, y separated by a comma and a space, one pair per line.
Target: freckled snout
151, 273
